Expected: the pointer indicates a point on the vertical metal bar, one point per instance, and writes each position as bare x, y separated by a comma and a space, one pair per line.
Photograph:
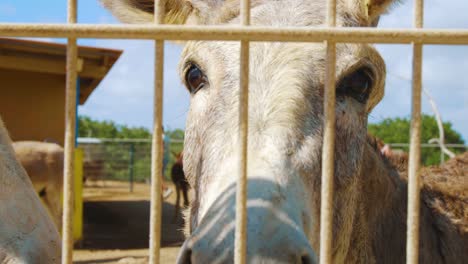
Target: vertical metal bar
131, 166
418, 13
70, 126
157, 147
326, 205
414, 184
240, 245
245, 12
331, 13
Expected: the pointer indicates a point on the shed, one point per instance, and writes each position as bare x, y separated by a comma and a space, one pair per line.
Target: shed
32, 83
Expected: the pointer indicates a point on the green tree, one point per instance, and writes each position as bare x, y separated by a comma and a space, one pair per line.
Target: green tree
88, 127
177, 134
134, 132
397, 130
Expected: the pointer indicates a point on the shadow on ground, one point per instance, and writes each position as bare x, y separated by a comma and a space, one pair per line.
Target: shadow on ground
125, 225
106, 260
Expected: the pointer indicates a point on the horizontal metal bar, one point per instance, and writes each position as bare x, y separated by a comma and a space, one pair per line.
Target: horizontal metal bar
86, 141
233, 33
82, 140
428, 145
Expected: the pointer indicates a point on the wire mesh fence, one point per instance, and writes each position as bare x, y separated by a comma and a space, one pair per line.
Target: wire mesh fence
431, 154
130, 159
124, 160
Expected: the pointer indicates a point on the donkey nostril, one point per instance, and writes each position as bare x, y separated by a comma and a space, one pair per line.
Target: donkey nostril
306, 259
188, 258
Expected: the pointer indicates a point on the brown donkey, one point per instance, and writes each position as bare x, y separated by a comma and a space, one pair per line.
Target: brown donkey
180, 182
43, 163
285, 143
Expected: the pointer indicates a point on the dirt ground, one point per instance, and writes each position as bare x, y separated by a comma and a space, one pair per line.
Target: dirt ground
116, 225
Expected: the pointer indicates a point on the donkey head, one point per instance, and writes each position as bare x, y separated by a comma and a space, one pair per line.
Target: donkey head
285, 124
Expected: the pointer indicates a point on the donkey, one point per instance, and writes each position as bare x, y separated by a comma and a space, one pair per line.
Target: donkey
43, 163
27, 233
397, 158
285, 142
180, 182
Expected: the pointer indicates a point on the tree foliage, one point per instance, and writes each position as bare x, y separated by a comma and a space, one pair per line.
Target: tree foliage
88, 127
397, 130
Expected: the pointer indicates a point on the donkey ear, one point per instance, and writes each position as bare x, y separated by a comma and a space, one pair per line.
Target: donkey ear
369, 11
375, 8
142, 11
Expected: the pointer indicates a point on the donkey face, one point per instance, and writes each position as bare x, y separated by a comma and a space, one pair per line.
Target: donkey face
285, 123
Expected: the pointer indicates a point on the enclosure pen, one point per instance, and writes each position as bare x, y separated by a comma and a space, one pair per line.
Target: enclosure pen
245, 33
70, 124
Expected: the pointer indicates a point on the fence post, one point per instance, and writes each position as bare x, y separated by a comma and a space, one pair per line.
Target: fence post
130, 165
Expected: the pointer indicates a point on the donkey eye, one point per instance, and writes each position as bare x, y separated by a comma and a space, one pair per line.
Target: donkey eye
358, 84
195, 79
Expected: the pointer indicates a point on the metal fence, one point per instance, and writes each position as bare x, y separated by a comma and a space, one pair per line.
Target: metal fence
428, 150
123, 159
130, 159
244, 33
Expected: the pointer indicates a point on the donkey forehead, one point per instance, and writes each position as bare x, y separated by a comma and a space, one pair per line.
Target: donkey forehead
220, 60
287, 13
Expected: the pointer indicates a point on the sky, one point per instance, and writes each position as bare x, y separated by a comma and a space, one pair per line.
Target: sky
125, 95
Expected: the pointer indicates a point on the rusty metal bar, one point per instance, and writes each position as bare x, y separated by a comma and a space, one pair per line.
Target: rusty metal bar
414, 181
157, 143
326, 200
236, 33
240, 244
69, 152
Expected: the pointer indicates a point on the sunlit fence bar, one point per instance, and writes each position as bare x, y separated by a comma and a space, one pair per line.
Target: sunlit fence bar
237, 33
414, 179
326, 192
157, 150
240, 246
70, 130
